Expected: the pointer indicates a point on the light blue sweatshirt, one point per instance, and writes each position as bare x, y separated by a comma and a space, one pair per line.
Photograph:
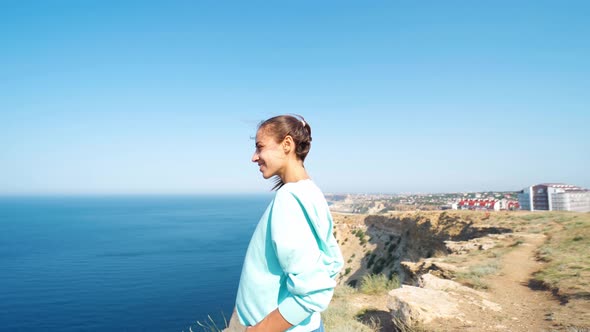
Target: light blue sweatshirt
291, 261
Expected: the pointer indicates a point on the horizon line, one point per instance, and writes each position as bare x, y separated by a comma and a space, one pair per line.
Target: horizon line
48, 194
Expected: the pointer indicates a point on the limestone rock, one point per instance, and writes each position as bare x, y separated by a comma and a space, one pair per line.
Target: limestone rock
412, 304
464, 247
462, 293
432, 282
440, 269
435, 298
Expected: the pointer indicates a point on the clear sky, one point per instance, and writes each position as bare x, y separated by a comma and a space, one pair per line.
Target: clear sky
402, 96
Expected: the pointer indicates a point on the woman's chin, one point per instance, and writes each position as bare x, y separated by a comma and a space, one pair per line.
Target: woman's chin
266, 175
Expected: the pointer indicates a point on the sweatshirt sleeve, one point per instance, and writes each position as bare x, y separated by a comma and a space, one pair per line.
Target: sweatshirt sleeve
308, 281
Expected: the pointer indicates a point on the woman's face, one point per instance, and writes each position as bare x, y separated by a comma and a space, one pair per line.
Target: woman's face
269, 155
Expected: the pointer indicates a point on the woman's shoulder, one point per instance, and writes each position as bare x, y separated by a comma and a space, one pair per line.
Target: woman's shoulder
304, 191
306, 186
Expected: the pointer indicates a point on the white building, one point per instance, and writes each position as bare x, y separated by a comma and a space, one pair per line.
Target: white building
555, 197
570, 200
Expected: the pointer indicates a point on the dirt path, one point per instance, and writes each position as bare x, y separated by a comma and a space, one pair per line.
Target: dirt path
523, 309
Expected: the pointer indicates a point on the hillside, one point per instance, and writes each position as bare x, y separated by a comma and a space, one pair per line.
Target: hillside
511, 271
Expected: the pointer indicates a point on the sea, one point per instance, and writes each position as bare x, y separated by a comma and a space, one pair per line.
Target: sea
122, 263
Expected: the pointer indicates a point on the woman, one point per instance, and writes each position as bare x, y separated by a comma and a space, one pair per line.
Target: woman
292, 260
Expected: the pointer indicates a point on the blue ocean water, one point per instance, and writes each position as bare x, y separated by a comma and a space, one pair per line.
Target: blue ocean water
121, 263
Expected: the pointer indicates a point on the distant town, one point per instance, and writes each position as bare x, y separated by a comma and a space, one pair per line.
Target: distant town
545, 197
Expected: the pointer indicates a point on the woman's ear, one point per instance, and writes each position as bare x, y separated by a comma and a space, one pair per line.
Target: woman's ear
288, 144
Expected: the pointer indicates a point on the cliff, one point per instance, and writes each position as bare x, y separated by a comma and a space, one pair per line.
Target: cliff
504, 257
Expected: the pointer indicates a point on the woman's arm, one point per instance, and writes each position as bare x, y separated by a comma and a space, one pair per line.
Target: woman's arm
273, 322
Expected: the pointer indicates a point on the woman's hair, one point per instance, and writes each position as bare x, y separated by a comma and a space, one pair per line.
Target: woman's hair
295, 126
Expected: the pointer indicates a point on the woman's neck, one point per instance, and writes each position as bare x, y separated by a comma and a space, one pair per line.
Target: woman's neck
295, 173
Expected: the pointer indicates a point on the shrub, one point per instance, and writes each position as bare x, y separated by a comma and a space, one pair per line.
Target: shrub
378, 284
342, 291
360, 234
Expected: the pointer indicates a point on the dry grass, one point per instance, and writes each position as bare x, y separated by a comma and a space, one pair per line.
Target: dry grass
401, 326
341, 316
474, 276
566, 252
375, 284
210, 325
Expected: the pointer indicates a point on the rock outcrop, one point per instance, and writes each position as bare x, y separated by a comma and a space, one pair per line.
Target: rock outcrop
412, 305
390, 244
435, 298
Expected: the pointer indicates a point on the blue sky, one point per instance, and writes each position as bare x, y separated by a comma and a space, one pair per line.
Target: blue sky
164, 96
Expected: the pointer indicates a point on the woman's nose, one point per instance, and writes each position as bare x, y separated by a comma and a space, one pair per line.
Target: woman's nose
255, 157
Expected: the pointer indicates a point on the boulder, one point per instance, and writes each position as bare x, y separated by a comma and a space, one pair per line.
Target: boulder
411, 305
435, 298
430, 281
462, 293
